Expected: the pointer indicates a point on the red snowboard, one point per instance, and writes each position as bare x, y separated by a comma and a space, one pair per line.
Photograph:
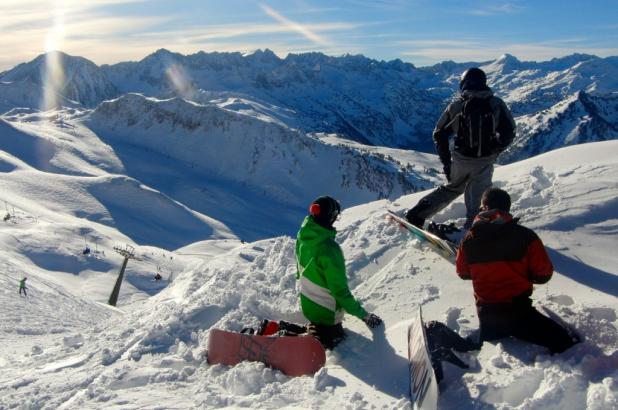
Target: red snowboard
293, 355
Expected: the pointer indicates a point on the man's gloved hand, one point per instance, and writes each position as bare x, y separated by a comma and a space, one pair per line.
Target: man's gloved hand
447, 171
372, 320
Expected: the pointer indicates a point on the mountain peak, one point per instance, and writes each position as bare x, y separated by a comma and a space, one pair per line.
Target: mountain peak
162, 54
264, 56
504, 64
508, 60
58, 55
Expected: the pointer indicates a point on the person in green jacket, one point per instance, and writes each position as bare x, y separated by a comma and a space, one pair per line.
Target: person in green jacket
324, 292
22, 286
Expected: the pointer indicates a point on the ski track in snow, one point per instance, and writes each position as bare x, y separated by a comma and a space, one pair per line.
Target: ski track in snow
63, 347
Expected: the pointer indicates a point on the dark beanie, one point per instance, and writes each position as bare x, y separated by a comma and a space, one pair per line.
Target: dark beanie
473, 79
324, 211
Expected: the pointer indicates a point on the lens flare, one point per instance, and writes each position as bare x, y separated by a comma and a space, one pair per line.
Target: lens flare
180, 80
53, 79
53, 71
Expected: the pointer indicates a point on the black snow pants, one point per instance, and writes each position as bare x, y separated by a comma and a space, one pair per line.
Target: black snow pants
521, 320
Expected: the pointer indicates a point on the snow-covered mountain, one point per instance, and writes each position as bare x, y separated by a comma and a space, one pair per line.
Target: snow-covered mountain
368, 101
529, 87
72, 80
578, 119
264, 155
63, 347
392, 104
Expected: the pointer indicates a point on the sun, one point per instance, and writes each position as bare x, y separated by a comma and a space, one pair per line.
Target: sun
53, 72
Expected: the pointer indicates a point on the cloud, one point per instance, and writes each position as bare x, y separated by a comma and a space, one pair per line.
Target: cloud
294, 26
494, 9
90, 30
30, 27
433, 51
383, 4
228, 31
28, 13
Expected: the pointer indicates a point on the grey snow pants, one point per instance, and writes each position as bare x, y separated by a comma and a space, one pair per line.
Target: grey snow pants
469, 176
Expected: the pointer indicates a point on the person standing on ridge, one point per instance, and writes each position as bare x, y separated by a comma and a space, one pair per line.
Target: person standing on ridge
483, 128
504, 259
22, 286
324, 292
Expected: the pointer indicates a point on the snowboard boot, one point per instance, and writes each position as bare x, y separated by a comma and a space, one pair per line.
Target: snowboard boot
415, 220
413, 214
441, 354
440, 335
440, 341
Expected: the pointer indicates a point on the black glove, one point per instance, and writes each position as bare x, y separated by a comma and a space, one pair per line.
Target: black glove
447, 171
372, 320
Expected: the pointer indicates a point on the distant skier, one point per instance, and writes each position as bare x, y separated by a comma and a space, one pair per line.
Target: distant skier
22, 286
158, 277
325, 295
483, 128
504, 259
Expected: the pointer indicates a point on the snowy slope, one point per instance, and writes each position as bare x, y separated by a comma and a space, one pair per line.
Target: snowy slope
148, 353
222, 162
145, 166
61, 167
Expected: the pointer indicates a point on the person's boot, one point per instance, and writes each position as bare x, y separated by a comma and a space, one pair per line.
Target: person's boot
414, 219
412, 215
440, 335
448, 355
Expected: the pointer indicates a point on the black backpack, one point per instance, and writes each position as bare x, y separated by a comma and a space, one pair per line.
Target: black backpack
476, 134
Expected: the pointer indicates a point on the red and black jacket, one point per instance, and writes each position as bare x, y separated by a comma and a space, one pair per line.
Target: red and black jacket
503, 259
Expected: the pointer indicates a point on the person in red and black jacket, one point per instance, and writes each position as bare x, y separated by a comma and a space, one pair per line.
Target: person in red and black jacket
504, 259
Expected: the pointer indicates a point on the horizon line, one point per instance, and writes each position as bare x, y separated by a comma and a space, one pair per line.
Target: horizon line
333, 55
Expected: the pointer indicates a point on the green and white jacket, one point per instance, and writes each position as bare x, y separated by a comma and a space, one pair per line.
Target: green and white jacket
324, 292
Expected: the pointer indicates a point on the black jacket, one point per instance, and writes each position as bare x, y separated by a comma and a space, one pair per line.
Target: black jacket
448, 125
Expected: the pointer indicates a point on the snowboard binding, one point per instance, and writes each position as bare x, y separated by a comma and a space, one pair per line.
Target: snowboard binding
274, 328
448, 232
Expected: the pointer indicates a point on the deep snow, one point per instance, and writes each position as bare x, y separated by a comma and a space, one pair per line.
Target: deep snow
63, 347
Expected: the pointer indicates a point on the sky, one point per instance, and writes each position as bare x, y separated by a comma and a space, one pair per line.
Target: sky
422, 32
